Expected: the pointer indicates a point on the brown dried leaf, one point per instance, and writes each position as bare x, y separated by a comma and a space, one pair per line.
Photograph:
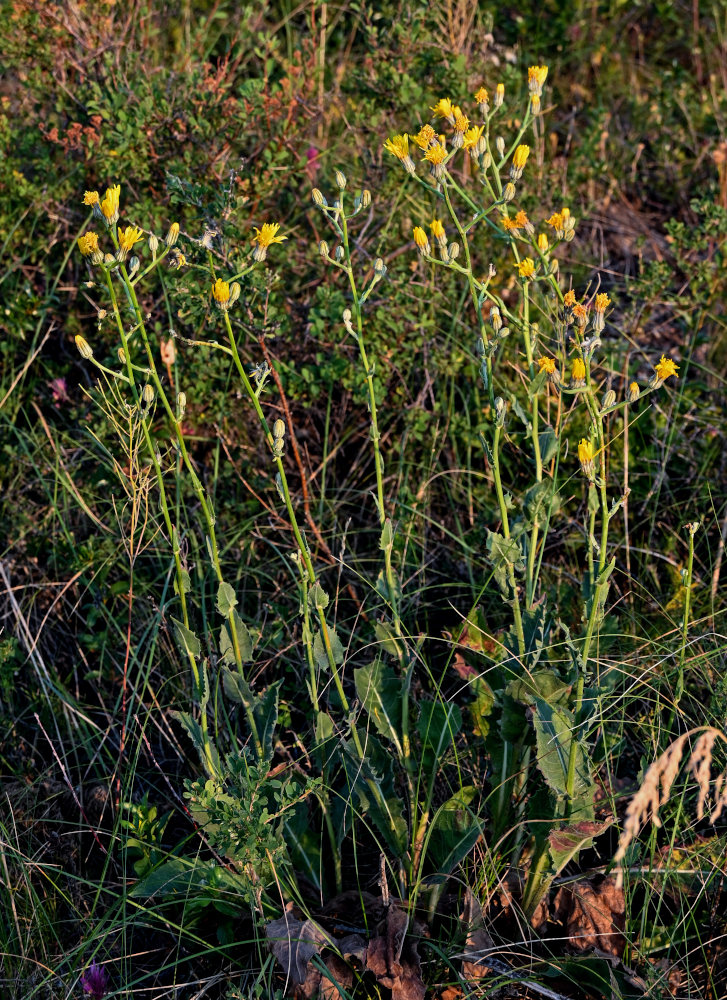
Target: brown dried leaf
294, 943
593, 915
479, 943
396, 967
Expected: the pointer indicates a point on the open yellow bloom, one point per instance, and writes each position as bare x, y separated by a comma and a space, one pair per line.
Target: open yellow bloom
264, 238
436, 154
461, 123
88, 244
424, 136
569, 299
602, 302
585, 457
110, 205
398, 146
537, 76
472, 138
547, 365
520, 157
438, 232
90, 198
221, 294
526, 268
444, 109
481, 96
129, 236
556, 221
665, 368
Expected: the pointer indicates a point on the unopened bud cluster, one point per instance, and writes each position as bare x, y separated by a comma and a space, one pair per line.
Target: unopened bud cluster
278, 438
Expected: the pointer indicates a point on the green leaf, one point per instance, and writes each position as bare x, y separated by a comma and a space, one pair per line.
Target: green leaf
517, 407
186, 639
554, 729
244, 641
567, 843
226, 599
537, 384
481, 707
184, 580
454, 830
319, 648
505, 556
544, 684
437, 725
318, 598
372, 779
203, 688
388, 639
379, 690
262, 707
548, 441
387, 536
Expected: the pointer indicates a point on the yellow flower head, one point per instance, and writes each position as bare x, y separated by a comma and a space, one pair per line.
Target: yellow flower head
526, 268
88, 244
444, 109
221, 293
578, 370
521, 219
556, 220
581, 313
90, 198
547, 365
129, 236
422, 240
537, 76
264, 237
634, 392
585, 453
481, 96
499, 94
543, 243
569, 299
665, 368
520, 157
508, 222
398, 146
565, 212
472, 136
602, 302
437, 228
424, 136
110, 204
461, 122
436, 154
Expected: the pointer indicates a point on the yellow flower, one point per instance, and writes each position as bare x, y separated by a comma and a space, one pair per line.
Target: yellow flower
547, 365
444, 109
499, 94
520, 157
472, 136
537, 76
110, 205
438, 232
556, 220
581, 313
634, 392
585, 457
543, 243
398, 146
90, 198
129, 236
526, 268
435, 154
172, 234
461, 123
88, 244
264, 238
569, 299
221, 294
602, 302
481, 96
424, 136
422, 241
665, 368
579, 371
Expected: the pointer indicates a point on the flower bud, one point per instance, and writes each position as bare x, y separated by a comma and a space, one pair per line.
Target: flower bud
319, 198
509, 193
181, 404
134, 265
379, 267
84, 348
234, 292
279, 429
453, 251
172, 235
120, 255
340, 253
609, 398
121, 356
340, 180
499, 95
634, 392
147, 395
153, 244
500, 146
496, 318
500, 411
365, 198
97, 257
109, 259
323, 248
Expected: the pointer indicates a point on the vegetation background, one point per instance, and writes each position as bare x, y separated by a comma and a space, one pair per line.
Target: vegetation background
223, 115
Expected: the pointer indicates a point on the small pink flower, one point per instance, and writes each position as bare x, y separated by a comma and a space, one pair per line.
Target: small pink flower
60, 391
312, 165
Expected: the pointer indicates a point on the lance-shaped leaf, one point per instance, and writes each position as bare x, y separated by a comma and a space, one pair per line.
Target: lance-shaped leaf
554, 732
380, 690
186, 639
244, 642
372, 779
263, 707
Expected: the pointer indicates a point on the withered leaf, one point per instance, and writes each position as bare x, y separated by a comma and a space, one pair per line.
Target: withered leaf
593, 915
479, 943
294, 943
394, 960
